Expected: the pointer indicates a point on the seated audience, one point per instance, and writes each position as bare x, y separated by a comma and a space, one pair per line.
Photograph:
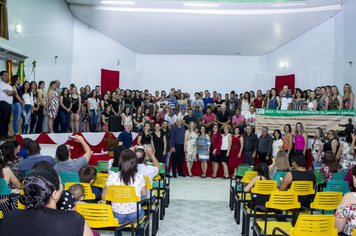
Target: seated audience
128, 176
332, 142
114, 162
77, 190
209, 119
87, 174
35, 156
345, 215
279, 164
42, 190
299, 174
125, 137
198, 114
23, 152
10, 158
344, 154
67, 164
330, 166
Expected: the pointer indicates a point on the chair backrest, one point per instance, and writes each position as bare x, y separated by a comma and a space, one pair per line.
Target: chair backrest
157, 177
103, 165
302, 188
242, 169
282, 200
27, 171
121, 194
319, 178
97, 215
161, 169
339, 176
326, 200
1, 215
115, 169
338, 186
310, 225
264, 187
147, 181
278, 175
88, 193
249, 175
100, 180
4, 189
69, 177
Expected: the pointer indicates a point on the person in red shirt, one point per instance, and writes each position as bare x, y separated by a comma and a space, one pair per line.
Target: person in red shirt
258, 101
209, 119
215, 149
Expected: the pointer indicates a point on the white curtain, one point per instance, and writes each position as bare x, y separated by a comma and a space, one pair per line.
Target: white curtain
264, 82
130, 79
83, 75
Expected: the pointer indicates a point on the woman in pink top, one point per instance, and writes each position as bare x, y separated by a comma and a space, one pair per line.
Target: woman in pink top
301, 139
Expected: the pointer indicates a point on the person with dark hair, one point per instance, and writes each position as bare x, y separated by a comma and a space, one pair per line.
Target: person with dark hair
317, 148
53, 105
277, 142
128, 176
11, 160
344, 154
77, 190
274, 101
147, 170
17, 104
23, 152
188, 118
8, 202
35, 106
330, 166
258, 100
209, 119
177, 144
65, 107
286, 99
288, 142
299, 174
42, 110
93, 105
203, 148
250, 145
42, 190
345, 220
250, 117
333, 143
87, 174
33, 149
301, 139
298, 103
265, 143
67, 164
238, 120
115, 162
198, 102
6, 99
245, 104
232, 104
27, 97
215, 149
167, 134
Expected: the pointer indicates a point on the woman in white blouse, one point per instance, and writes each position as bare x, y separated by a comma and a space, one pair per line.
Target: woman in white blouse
128, 176
26, 112
277, 142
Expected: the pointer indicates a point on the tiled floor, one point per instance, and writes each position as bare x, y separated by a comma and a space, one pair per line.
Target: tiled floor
197, 207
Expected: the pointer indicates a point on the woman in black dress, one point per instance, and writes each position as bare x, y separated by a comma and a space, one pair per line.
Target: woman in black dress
75, 111
159, 141
115, 104
145, 139
85, 110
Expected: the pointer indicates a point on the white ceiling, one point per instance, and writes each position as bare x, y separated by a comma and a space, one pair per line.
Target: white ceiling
168, 27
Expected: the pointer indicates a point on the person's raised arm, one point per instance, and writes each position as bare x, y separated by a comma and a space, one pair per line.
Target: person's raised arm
86, 147
149, 151
285, 181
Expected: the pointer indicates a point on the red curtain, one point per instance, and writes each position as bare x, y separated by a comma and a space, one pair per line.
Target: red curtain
109, 80
285, 80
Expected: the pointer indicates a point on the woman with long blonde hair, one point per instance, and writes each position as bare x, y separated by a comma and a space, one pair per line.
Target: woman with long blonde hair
279, 163
190, 146
348, 97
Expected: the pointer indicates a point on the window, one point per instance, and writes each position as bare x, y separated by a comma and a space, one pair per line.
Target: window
4, 31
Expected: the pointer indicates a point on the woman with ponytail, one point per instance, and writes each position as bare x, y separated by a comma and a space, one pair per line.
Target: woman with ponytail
42, 190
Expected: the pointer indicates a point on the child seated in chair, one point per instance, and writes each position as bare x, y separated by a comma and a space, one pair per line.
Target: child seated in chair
87, 174
78, 192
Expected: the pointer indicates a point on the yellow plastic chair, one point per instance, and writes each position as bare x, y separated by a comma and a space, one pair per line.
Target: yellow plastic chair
302, 188
153, 207
100, 180
101, 216
354, 232
326, 201
1, 215
127, 194
280, 200
88, 193
162, 191
262, 187
20, 205
248, 176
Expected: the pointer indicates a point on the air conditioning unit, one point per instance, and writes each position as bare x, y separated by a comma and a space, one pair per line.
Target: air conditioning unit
11, 54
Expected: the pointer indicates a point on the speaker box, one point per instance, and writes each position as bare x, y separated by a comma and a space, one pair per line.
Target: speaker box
115, 124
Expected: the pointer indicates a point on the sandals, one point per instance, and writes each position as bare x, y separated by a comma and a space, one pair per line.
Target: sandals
190, 174
203, 176
224, 177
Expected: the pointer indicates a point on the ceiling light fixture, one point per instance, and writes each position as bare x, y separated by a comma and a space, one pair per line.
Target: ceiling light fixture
212, 11
200, 5
117, 2
18, 28
289, 4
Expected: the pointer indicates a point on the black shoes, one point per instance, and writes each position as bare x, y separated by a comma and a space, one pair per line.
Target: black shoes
182, 175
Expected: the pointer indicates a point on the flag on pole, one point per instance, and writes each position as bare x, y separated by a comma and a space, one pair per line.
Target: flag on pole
32, 77
21, 72
9, 69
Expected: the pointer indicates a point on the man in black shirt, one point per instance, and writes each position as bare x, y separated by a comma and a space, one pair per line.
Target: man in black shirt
187, 119
232, 104
222, 117
250, 146
166, 132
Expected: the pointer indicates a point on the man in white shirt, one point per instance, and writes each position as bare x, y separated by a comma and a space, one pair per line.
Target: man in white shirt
182, 113
250, 117
161, 103
286, 98
147, 170
6, 96
171, 117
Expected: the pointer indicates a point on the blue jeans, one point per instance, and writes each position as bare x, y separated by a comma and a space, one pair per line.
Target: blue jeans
317, 164
123, 218
17, 110
26, 114
167, 157
65, 120
138, 128
92, 120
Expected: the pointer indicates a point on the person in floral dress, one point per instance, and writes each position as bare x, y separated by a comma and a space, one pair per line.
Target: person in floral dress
330, 166
347, 160
53, 104
190, 146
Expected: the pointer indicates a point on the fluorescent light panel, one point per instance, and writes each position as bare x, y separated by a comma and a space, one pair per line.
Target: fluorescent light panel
289, 4
215, 12
200, 5
117, 2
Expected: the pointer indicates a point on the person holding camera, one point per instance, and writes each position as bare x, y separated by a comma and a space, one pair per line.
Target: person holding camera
67, 164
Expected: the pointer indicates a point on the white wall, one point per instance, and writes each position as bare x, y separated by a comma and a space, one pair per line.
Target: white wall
47, 31
193, 73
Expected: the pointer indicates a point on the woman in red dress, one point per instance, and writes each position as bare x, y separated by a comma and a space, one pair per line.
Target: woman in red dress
236, 154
